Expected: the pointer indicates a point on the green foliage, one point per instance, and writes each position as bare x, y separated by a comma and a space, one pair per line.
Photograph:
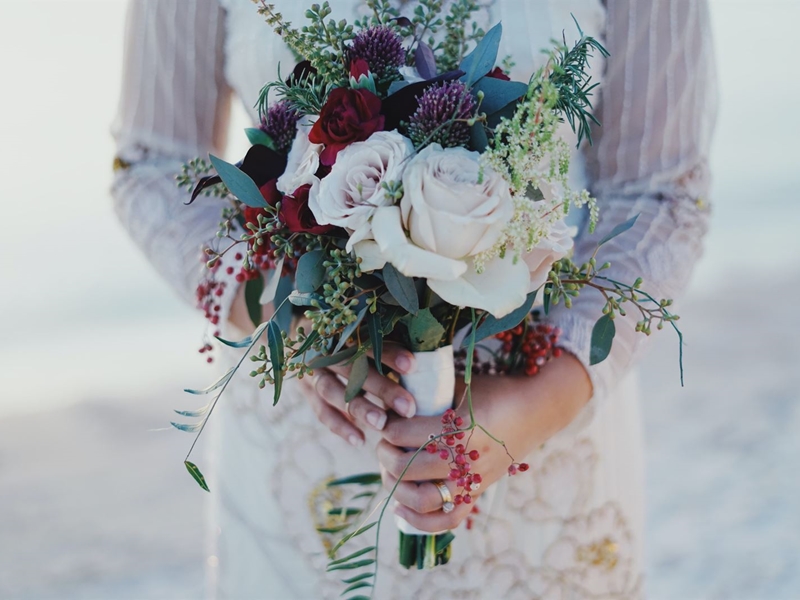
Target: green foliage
239, 183
460, 31
322, 42
252, 297
602, 338
196, 474
356, 378
193, 171
570, 76
492, 326
482, 60
425, 333
402, 288
306, 94
256, 136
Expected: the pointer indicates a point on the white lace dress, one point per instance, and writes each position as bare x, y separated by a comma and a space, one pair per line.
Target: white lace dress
572, 526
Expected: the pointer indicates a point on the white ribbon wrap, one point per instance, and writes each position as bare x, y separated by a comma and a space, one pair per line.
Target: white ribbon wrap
432, 385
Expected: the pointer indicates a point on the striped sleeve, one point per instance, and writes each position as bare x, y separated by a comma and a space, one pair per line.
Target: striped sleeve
650, 158
174, 106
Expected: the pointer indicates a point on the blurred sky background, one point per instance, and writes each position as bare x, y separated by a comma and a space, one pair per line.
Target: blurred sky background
95, 349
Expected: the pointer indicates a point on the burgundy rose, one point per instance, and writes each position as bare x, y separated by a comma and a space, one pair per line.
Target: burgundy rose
348, 116
297, 216
498, 73
359, 67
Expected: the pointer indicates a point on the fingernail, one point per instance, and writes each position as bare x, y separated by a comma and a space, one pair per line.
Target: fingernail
376, 419
355, 441
404, 407
405, 363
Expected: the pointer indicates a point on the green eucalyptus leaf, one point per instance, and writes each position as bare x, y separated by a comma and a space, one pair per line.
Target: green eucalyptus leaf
334, 529
276, 358
483, 58
284, 314
350, 330
358, 578
361, 479
195, 414
618, 230
214, 386
424, 331
196, 474
356, 586
354, 565
252, 297
498, 93
402, 288
308, 343
344, 511
478, 139
187, 427
305, 299
492, 326
257, 137
376, 339
239, 183
357, 377
602, 339
310, 271
361, 552
327, 360
350, 536
444, 540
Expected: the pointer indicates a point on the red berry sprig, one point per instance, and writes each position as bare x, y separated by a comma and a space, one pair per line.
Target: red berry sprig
529, 347
460, 458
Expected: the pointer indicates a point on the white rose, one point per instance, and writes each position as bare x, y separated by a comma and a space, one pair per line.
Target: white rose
350, 194
452, 208
303, 161
555, 246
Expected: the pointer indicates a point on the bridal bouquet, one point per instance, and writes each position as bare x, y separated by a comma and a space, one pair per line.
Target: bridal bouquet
403, 188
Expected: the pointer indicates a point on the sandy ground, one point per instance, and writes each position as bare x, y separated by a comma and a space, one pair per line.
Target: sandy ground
93, 504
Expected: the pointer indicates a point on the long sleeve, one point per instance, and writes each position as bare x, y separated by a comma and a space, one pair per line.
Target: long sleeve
650, 158
174, 106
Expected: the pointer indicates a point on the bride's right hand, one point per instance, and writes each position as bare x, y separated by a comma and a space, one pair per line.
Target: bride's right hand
325, 392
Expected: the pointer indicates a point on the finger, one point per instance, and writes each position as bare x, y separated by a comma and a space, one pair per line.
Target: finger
400, 465
436, 520
423, 497
361, 410
392, 394
411, 433
335, 421
397, 358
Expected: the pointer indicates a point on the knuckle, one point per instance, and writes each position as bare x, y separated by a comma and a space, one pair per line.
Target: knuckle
391, 431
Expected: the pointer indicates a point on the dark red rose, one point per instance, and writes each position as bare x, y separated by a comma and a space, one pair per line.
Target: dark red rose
359, 67
498, 73
297, 216
348, 116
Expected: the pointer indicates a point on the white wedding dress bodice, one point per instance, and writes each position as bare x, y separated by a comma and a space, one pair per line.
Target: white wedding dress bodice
572, 526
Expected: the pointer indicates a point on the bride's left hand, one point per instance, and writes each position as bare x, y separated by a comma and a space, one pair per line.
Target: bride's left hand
523, 412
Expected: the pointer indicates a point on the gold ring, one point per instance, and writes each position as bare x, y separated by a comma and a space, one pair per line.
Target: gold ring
448, 505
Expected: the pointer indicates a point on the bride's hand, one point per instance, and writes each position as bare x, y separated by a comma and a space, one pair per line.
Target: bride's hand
325, 392
524, 412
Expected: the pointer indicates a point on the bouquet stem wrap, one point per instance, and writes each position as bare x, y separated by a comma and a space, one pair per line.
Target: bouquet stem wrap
432, 386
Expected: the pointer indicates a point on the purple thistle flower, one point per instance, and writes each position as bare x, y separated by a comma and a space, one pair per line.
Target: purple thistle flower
280, 124
382, 48
435, 120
